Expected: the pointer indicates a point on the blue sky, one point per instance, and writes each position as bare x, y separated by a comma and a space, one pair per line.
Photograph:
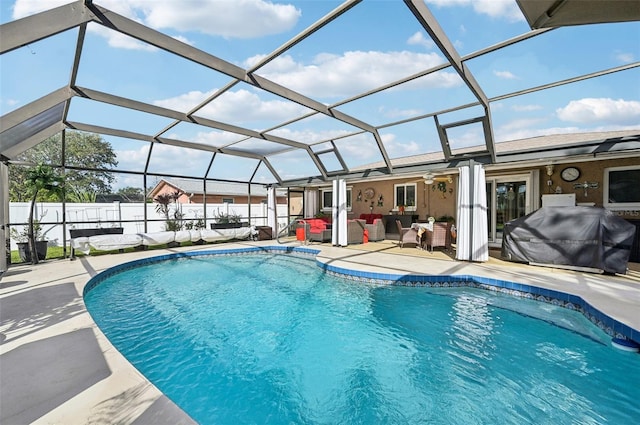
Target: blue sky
376, 42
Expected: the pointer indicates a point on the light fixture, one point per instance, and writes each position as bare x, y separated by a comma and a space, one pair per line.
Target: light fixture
549, 170
550, 173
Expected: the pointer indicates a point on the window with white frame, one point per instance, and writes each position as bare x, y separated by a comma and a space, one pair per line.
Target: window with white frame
621, 190
327, 199
405, 195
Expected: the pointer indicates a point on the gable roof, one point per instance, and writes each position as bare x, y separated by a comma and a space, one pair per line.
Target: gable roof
191, 186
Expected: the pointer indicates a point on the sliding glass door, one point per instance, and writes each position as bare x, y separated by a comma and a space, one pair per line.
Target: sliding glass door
508, 198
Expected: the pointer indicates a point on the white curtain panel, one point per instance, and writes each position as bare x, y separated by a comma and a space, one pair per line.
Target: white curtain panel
339, 213
342, 213
272, 213
472, 240
334, 213
464, 214
4, 215
310, 203
480, 236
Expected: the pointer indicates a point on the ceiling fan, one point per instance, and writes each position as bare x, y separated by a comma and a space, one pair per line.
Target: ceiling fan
429, 178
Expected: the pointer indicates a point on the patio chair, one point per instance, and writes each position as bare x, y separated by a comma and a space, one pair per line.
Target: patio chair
406, 235
376, 230
355, 231
316, 230
440, 236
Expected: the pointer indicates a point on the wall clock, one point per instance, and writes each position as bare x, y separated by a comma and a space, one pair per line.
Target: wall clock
369, 192
570, 174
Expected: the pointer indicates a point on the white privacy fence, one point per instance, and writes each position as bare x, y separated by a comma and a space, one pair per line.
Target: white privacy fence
129, 216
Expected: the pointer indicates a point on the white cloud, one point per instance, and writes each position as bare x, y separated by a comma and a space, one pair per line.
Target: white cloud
184, 40
126, 180
119, 40
399, 113
172, 159
247, 106
9, 102
591, 110
239, 106
355, 72
624, 57
507, 9
359, 149
506, 75
397, 149
132, 160
252, 61
419, 39
186, 101
127, 8
466, 136
308, 136
526, 108
210, 137
503, 9
521, 124
215, 138
23, 8
231, 19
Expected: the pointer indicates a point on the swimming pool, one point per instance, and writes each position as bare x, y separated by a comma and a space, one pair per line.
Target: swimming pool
235, 339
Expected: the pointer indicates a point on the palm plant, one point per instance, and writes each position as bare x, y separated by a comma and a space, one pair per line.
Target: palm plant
40, 178
81, 196
165, 201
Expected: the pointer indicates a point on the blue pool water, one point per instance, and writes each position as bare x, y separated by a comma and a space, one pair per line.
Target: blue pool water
271, 339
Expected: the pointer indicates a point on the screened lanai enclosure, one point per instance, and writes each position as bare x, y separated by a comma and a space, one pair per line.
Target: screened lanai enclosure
291, 95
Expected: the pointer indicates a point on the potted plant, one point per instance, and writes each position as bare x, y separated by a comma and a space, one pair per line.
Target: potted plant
22, 241
227, 220
41, 178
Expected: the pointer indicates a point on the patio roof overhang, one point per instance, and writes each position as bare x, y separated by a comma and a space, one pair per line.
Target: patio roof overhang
558, 13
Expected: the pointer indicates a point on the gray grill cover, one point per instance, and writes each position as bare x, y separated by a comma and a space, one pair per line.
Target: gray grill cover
586, 237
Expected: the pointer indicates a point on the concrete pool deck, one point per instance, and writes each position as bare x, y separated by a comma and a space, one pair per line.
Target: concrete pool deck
56, 366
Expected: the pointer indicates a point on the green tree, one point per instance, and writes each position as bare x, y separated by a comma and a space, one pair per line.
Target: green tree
85, 150
131, 194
